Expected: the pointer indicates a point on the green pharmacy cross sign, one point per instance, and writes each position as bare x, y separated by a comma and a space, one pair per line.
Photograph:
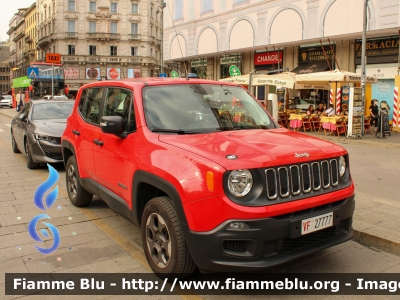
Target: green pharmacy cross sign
174, 74
234, 71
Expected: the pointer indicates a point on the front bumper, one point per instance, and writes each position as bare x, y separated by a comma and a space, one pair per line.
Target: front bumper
46, 152
270, 241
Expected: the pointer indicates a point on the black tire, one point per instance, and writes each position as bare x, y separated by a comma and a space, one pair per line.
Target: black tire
29, 160
76, 192
161, 231
14, 144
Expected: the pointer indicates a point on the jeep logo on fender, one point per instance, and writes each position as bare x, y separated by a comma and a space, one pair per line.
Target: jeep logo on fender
298, 155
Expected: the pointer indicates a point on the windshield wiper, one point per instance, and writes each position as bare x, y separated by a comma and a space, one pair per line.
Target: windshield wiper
177, 131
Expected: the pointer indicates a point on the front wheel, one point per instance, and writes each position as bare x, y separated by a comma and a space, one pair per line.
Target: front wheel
76, 192
163, 241
14, 144
29, 160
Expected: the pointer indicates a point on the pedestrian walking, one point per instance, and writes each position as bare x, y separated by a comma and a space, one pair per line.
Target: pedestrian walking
374, 113
20, 100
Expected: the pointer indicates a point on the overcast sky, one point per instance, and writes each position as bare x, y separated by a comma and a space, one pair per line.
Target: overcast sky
8, 9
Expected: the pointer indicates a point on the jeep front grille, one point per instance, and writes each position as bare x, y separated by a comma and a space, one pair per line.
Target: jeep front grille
304, 178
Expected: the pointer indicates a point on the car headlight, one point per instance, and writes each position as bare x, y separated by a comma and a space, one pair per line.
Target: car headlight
342, 166
47, 138
240, 182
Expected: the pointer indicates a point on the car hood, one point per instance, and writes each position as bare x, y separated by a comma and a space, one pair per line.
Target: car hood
53, 127
255, 148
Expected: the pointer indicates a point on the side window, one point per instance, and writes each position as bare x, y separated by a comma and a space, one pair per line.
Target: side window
82, 100
119, 103
91, 107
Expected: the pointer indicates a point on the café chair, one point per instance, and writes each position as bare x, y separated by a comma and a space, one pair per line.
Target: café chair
306, 123
316, 123
340, 127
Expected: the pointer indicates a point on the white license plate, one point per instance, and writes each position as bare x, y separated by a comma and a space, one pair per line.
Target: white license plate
316, 223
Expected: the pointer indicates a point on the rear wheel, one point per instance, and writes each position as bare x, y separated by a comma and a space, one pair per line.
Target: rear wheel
163, 240
14, 144
76, 192
29, 160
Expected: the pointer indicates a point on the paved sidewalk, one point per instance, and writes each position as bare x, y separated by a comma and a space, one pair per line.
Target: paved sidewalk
375, 172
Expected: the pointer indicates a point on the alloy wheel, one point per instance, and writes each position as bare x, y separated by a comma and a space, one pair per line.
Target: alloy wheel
72, 180
158, 240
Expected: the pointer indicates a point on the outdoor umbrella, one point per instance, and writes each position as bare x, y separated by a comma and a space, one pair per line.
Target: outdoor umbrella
285, 80
327, 77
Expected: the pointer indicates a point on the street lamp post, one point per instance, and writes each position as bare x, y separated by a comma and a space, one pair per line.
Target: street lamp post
363, 62
161, 9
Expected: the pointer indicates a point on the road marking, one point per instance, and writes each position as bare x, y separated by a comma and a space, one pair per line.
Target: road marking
135, 252
1, 130
8, 125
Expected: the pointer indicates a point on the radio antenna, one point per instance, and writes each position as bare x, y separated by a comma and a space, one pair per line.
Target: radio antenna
180, 48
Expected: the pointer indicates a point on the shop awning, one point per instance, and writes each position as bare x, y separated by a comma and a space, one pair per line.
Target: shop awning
311, 68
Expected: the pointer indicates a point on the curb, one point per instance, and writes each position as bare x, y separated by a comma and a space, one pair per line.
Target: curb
377, 242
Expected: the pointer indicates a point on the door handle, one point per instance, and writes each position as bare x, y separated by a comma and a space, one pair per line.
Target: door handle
98, 143
76, 132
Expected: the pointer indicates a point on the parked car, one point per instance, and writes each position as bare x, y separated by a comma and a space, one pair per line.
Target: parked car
6, 101
206, 173
36, 131
62, 97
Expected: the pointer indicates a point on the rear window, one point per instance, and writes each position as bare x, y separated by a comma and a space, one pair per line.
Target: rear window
52, 110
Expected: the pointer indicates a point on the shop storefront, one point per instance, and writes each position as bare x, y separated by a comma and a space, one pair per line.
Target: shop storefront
314, 59
199, 67
270, 62
227, 61
382, 55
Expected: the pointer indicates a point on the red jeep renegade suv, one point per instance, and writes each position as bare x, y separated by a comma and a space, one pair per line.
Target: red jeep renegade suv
206, 173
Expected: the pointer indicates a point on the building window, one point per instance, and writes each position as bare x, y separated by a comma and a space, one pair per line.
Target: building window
92, 27
71, 5
156, 56
113, 27
151, 51
178, 9
207, 5
71, 26
135, 8
113, 7
151, 12
71, 49
113, 50
92, 6
92, 50
134, 28
151, 30
134, 51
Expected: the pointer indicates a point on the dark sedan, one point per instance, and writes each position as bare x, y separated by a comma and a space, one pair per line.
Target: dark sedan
37, 129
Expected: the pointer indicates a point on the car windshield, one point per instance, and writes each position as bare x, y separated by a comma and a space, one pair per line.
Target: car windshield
201, 108
52, 110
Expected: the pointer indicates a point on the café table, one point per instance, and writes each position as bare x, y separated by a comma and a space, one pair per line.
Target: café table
296, 120
329, 123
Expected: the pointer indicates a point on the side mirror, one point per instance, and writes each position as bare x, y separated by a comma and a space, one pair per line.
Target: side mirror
112, 124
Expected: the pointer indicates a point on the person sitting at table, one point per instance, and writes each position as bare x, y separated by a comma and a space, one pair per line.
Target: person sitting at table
330, 111
320, 109
310, 110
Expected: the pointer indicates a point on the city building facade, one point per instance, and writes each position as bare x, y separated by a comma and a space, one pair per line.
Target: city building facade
100, 39
16, 33
4, 68
207, 37
30, 35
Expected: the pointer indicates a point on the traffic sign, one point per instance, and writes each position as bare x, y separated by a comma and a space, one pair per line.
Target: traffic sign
33, 72
163, 75
53, 58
